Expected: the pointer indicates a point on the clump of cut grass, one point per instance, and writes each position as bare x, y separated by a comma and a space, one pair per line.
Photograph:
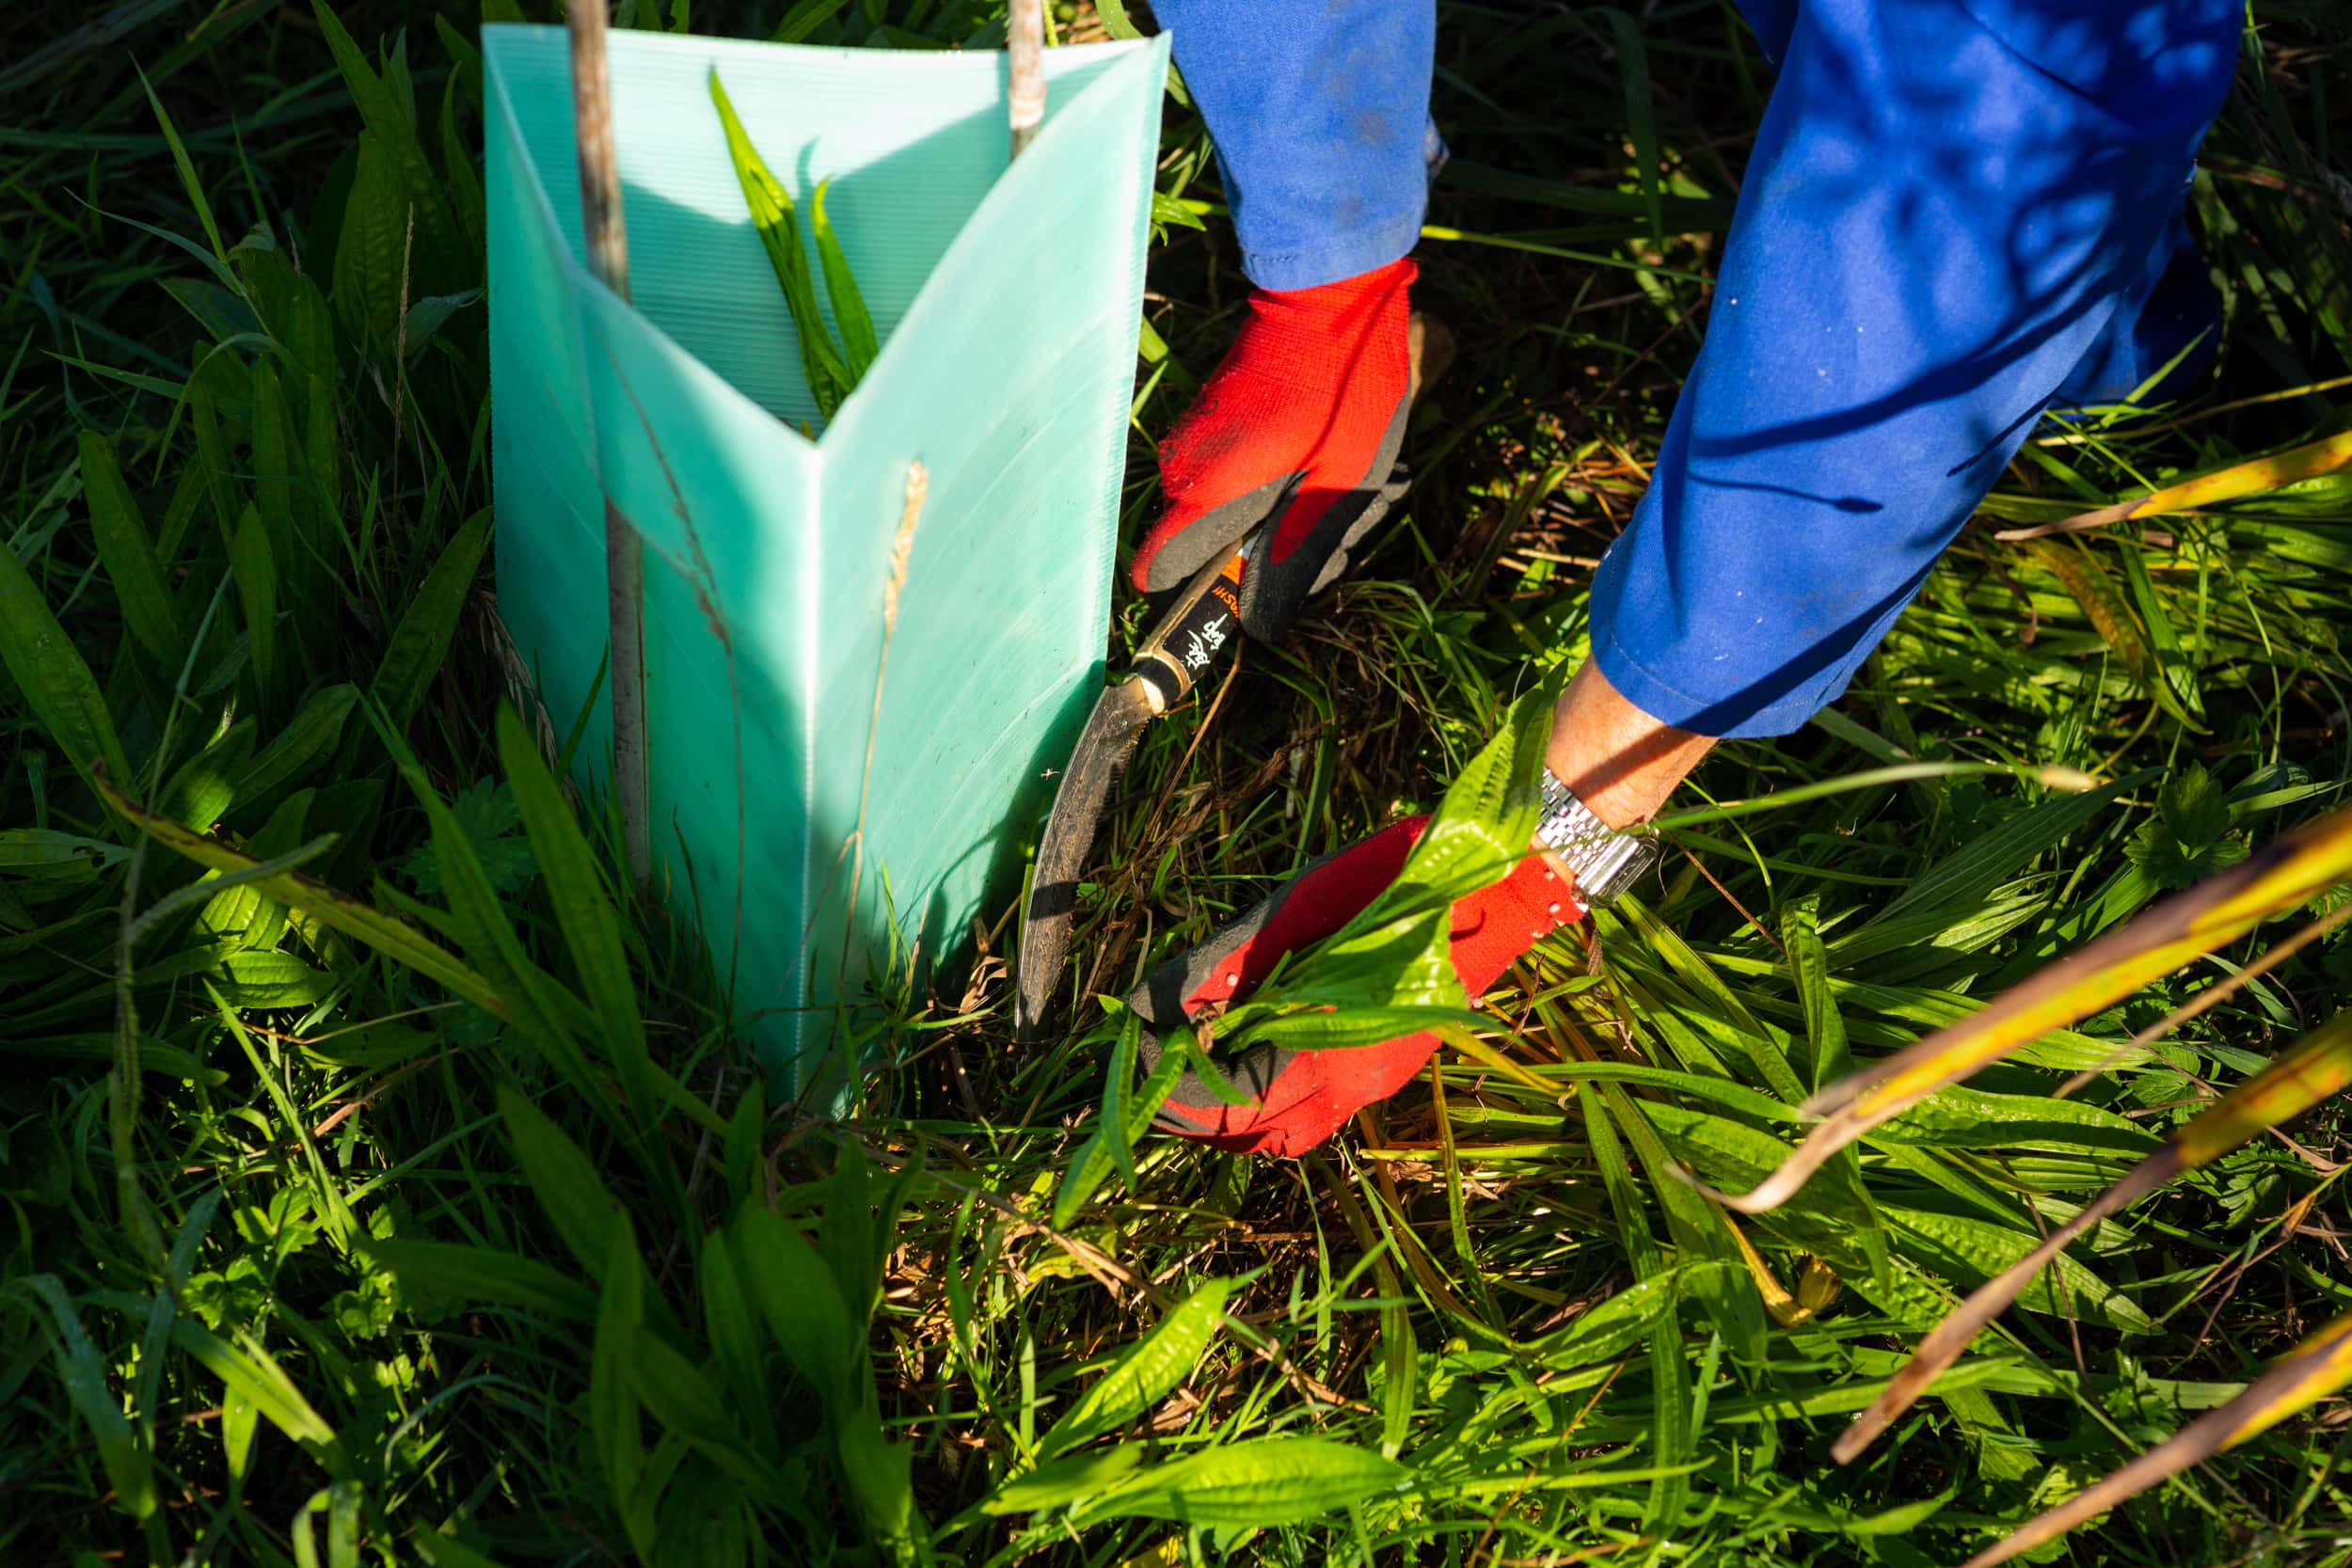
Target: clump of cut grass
832, 363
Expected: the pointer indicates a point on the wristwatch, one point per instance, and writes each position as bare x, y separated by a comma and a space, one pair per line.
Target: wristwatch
1605, 860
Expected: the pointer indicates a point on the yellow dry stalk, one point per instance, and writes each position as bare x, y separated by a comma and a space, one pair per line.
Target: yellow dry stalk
2313, 460
2218, 911
2280, 469
2315, 1068
2318, 1367
2318, 1069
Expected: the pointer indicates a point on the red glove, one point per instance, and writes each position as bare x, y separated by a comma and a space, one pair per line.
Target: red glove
1300, 1098
1291, 444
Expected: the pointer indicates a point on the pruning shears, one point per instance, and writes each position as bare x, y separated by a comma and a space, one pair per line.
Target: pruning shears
1195, 635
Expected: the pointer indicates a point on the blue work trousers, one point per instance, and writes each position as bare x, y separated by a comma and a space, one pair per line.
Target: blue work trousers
1957, 215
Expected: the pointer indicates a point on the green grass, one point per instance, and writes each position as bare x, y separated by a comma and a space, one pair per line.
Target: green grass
310, 1258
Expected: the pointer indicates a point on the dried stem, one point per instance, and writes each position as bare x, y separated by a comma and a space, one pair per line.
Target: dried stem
894, 586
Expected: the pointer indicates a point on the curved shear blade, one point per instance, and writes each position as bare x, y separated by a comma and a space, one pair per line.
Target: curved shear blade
1103, 747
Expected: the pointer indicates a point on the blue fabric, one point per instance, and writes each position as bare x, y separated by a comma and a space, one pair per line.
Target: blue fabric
1320, 113
1949, 209
1955, 215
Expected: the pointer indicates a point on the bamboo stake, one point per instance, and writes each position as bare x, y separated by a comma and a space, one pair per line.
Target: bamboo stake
623, 563
1025, 40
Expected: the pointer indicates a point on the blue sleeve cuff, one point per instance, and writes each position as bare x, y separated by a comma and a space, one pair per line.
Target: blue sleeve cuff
1949, 208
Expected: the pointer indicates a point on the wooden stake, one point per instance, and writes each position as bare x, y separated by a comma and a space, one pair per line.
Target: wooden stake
624, 562
1025, 40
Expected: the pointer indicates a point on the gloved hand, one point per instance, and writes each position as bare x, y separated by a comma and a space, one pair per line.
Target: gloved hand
1291, 443
1300, 1098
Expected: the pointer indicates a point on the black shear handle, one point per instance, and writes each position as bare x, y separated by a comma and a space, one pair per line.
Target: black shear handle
1195, 635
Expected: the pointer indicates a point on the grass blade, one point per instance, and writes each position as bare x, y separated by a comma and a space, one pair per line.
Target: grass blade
779, 231
2313, 460
858, 345
129, 1467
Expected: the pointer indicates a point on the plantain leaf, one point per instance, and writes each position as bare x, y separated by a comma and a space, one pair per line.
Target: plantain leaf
129, 555
322, 453
52, 853
257, 591
1607, 1331
1701, 1233
585, 915
483, 1274
341, 912
306, 741
57, 684
675, 1391
1962, 1117
799, 1296
1962, 883
1965, 1248
276, 471
614, 1422
1064, 1482
388, 114
731, 1323
1145, 1373
1397, 955
586, 1216
421, 642
1272, 1481
368, 252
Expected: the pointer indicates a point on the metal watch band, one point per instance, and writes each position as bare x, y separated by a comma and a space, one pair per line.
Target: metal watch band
1605, 860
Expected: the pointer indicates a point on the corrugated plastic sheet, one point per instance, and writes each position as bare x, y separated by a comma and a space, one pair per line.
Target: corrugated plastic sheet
1007, 300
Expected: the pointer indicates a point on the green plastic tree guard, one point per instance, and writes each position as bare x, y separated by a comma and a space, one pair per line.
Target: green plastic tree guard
1007, 299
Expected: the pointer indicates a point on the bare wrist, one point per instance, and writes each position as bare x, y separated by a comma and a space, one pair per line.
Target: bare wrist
1619, 761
